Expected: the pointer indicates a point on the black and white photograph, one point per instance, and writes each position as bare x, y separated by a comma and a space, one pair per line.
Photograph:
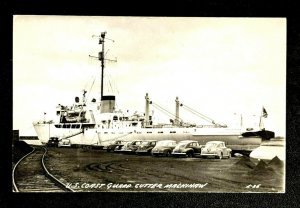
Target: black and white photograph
149, 104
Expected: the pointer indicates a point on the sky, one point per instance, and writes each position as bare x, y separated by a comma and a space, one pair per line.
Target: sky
221, 67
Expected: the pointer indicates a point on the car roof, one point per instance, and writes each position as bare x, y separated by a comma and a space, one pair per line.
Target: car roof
186, 141
215, 142
166, 140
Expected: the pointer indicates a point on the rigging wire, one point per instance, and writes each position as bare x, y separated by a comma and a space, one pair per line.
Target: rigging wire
200, 115
90, 89
165, 111
197, 113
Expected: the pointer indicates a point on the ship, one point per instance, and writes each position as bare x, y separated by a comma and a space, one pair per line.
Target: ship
98, 123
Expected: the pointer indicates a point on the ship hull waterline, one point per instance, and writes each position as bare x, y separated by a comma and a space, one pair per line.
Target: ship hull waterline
100, 137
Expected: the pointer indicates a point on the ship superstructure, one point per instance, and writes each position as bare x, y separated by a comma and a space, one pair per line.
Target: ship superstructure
98, 123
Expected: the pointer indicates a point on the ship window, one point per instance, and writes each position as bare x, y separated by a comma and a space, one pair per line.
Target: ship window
115, 118
160, 132
172, 132
73, 114
149, 132
105, 132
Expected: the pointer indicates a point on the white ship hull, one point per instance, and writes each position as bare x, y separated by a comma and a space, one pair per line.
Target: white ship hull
103, 137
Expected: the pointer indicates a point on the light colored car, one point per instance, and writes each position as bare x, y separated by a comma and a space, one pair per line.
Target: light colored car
64, 143
216, 149
163, 148
187, 148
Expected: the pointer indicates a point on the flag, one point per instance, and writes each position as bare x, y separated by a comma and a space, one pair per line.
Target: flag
264, 113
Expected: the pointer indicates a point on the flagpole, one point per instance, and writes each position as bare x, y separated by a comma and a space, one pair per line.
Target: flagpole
263, 114
260, 118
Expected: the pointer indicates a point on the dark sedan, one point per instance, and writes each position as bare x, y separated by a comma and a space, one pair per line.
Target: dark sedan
115, 145
164, 148
187, 148
146, 147
129, 147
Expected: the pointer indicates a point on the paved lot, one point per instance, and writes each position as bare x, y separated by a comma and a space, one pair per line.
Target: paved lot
96, 170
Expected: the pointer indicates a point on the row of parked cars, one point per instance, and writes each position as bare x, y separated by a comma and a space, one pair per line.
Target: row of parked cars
187, 148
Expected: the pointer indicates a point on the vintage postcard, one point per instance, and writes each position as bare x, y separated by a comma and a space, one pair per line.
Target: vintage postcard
149, 104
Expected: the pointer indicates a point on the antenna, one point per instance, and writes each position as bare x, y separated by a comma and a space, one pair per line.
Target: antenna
101, 56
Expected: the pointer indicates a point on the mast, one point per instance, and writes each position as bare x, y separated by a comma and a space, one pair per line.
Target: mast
101, 58
177, 112
147, 110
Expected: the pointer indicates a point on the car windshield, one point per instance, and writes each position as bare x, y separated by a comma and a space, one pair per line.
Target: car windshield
145, 143
210, 145
181, 145
127, 143
137, 143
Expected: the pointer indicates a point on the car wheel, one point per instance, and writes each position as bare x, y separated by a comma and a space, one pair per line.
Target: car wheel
168, 154
221, 156
229, 155
189, 154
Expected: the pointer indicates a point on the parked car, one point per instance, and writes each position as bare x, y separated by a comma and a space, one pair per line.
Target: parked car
146, 147
163, 148
116, 144
64, 143
129, 147
216, 149
187, 148
52, 142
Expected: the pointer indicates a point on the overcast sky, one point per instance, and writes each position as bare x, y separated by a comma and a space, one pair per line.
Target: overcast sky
221, 67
